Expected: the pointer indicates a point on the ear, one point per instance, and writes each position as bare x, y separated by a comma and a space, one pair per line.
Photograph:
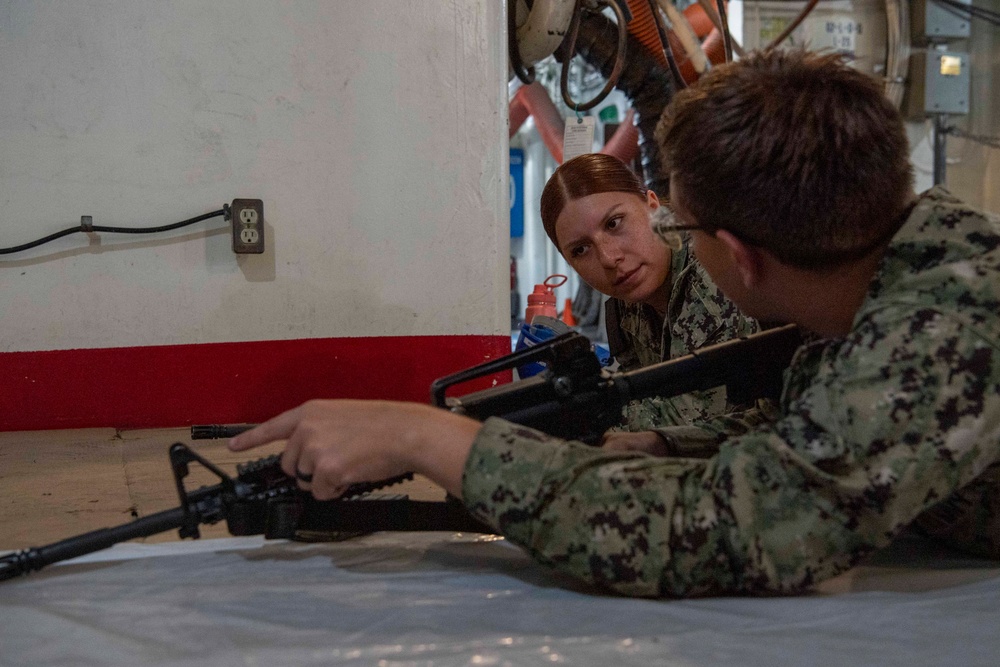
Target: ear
652, 200
746, 258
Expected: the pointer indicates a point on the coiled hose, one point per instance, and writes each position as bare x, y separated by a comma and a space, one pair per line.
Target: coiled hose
643, 80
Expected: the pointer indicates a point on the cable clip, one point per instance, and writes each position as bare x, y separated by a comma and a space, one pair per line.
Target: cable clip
87, 223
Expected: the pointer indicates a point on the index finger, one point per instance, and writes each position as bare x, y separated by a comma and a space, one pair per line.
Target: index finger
276, 428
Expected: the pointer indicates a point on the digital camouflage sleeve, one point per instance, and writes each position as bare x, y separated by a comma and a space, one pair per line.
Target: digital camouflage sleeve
896, 422
698, 315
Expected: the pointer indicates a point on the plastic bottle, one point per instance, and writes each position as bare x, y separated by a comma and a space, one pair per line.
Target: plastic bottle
541, 305
542, 301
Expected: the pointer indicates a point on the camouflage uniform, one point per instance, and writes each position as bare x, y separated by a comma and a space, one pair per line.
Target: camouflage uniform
698, 314
876, 428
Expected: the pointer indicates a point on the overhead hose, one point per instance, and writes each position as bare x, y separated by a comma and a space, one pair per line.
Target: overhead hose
727, 39
711, 14
646, 83
702, 22
534, 101
646, 28
668, 51
715, 50
548, 119
569, 47
643, 27
645, 80
517, 113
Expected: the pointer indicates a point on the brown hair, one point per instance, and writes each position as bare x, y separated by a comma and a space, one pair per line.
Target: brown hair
587, 174
791, 151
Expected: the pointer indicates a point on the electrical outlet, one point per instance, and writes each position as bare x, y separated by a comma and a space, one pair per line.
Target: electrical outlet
248, 226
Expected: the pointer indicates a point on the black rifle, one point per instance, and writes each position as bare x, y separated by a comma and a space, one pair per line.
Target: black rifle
577, 400
573, 398
260, 500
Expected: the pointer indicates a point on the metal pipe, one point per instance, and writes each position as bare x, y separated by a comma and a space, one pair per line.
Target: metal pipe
940, 148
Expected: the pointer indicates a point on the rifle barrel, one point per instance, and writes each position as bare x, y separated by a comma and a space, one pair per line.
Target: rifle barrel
218, 431
754, 360
35, 558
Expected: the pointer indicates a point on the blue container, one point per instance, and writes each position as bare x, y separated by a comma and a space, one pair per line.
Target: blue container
531, 335
542, 329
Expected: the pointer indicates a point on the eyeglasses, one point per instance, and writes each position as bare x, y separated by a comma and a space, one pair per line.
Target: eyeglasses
667, 226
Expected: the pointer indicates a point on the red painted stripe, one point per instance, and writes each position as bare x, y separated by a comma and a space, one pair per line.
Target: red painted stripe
179, 385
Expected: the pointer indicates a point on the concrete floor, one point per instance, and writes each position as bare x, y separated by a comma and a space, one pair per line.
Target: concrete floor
57, 484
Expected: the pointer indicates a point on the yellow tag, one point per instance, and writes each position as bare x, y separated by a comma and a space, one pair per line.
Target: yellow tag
951, 66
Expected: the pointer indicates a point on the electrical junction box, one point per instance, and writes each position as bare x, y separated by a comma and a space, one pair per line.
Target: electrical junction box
932, 21
938, 84
856, 28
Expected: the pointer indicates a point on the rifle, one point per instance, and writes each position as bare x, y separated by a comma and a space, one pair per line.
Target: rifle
260, 500
573, 398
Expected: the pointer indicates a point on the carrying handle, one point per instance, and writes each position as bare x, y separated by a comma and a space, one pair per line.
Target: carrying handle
543, 352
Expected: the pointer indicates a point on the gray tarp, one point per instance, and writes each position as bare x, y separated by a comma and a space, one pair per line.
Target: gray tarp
441, 599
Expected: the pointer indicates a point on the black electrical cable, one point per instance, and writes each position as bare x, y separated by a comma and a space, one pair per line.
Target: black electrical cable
712, 12
727, 39
971, 11
569, 44
224, 211
668, 51
525, 74
985, 140
790, 28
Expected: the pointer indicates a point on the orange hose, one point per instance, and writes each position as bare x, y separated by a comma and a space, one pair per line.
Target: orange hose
517, 113
684, 64
715, 47
550, 123
623, 144
699, 20
643, 28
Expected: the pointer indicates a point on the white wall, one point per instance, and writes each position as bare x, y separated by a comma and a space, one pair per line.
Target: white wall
374, 131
